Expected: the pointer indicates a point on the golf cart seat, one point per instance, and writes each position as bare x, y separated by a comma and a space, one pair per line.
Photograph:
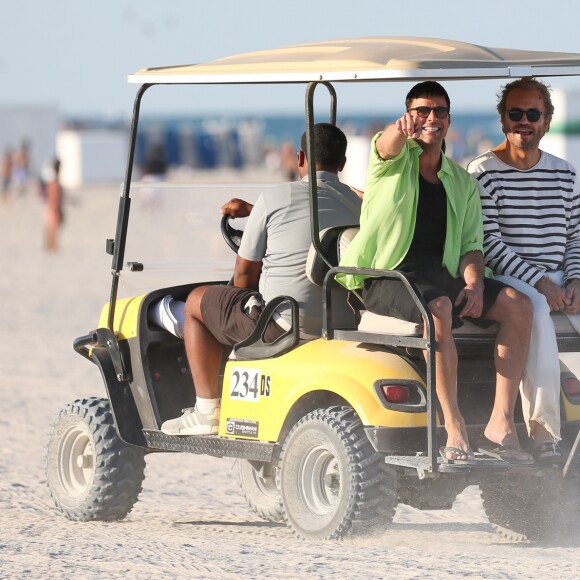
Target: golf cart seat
334, 242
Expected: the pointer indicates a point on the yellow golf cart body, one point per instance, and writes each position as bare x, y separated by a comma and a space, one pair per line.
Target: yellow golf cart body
322, 445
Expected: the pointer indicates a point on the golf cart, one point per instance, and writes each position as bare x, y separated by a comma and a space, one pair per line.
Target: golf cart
331, 434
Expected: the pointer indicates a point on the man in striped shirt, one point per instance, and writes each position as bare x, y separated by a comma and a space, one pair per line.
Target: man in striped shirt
531, 212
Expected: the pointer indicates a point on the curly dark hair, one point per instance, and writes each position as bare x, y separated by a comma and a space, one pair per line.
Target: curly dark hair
526, 84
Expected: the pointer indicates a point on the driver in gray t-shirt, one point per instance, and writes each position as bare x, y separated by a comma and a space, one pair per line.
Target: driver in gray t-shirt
278, 235
271, 262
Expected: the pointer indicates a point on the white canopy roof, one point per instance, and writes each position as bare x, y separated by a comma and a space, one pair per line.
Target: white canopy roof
364, 59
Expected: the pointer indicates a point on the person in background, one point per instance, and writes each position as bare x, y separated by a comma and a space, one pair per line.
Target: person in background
288, 163
6, 173
421, 215
53, 199
271, 261
21, 168
531, 209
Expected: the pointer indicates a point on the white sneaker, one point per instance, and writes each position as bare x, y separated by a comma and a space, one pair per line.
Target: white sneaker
193, 422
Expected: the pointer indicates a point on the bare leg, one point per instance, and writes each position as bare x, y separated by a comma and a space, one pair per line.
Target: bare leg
51, 237
204, 352
446, 379
513, 312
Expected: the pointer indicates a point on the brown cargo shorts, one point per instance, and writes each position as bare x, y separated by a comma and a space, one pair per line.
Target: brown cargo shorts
231, 315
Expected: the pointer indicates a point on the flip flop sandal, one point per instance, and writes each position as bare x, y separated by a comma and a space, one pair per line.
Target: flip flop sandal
548, 452
443, 451
505, 453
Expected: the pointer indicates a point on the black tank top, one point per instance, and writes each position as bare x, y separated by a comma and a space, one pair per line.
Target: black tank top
430, 225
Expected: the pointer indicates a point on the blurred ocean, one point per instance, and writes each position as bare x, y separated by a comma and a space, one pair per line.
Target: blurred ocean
212, 142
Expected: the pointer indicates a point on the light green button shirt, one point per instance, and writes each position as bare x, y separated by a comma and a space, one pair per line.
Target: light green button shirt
389, 212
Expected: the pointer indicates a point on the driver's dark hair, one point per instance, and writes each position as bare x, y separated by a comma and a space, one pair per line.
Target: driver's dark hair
427, 89
329, 144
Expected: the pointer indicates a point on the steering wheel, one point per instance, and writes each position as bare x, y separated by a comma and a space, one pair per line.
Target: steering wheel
232, 236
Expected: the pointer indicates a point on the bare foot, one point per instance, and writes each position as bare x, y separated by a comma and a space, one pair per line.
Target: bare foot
540, 434
457, 446
454, 454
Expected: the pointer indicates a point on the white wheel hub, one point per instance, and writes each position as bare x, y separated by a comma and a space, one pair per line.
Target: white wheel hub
75, 461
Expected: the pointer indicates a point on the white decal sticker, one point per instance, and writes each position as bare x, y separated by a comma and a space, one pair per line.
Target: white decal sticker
242, 427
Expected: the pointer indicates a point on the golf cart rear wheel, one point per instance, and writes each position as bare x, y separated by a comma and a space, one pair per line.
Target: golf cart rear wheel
258, 483
91, 473
331, 480
524, 509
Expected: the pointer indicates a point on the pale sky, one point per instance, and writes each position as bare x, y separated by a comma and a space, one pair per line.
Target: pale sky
76, 54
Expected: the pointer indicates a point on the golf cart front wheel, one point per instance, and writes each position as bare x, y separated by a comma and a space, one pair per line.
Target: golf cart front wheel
92, 474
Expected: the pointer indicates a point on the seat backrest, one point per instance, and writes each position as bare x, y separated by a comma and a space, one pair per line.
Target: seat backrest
333, 242
254, 346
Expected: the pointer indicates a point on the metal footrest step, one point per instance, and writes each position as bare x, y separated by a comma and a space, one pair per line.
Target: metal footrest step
212, 445
482, 463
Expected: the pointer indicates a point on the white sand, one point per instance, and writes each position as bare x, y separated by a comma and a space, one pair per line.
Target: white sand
191, 520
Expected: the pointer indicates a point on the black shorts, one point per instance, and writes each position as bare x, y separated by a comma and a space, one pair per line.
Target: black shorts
224, 313
390, 297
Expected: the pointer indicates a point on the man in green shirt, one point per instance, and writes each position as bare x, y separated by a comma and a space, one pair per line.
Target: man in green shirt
421, 215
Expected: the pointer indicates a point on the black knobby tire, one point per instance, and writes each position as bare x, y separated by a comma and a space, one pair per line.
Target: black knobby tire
430, 494
332, 482
258, 482
91, 473
525, 508
569, 526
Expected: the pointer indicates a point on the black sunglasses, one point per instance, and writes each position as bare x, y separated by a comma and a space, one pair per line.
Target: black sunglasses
424, 112
532, 115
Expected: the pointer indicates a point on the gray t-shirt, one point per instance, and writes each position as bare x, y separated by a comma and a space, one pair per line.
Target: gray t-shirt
278, 234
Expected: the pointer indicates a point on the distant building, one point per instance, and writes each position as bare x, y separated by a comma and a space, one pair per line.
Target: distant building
357, 160
563, 139
92, 156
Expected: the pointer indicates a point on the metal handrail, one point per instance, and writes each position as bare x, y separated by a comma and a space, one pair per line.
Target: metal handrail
429, 345
311, 154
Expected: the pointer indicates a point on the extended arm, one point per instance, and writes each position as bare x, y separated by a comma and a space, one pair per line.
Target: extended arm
393, 138
252, 248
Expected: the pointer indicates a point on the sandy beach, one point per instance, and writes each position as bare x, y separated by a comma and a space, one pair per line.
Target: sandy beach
191, 520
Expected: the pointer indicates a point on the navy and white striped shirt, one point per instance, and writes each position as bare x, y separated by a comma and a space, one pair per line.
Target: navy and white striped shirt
531, 218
